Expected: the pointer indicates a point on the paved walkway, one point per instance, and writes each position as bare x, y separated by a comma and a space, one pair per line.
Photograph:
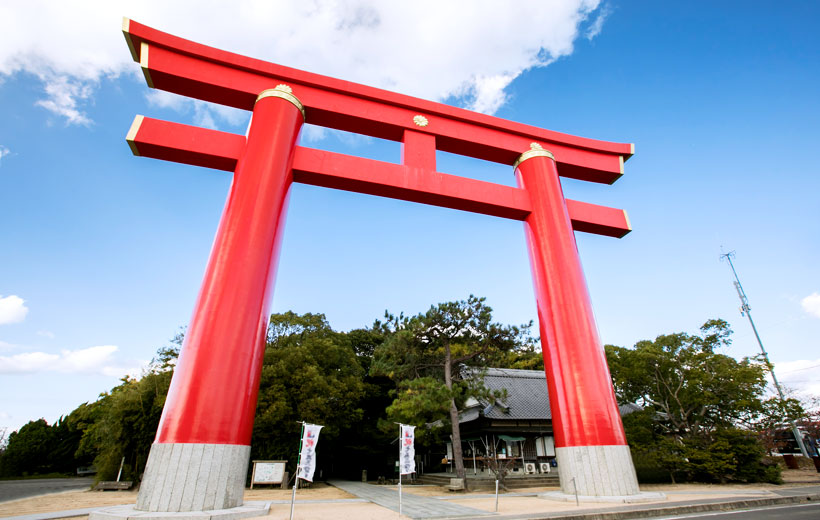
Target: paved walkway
413, 506
797, 491
28, 488
55, 514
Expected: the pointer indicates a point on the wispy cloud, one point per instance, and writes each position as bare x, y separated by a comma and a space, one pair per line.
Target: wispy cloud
800, 376
811, 304
3, 152
597, 24
46, 334
313, 133
12, 309
204, 114
434, 49
94, 360
64, 98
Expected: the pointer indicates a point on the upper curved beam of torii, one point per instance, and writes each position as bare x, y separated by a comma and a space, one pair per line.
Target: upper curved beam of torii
194, 70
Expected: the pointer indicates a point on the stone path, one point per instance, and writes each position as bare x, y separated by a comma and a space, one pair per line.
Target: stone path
413, 506
17, 489
54, 514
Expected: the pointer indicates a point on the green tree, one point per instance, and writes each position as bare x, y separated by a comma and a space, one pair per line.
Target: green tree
38, 448
689, 385
695, 401
122, 423
310, 373
127, 422
775, 416
29, 450
810, 420
67, 433
369, 445
434, 358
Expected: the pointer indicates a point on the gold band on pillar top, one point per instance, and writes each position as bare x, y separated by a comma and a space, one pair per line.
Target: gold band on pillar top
284, 92
536, 150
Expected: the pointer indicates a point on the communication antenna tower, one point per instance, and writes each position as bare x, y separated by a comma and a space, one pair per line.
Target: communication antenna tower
746, 310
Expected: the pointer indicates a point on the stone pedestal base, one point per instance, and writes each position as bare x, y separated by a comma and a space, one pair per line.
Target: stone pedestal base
597, 471
193, 477
248, 510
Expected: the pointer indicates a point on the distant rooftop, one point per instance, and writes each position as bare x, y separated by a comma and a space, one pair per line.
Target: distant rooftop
527, 397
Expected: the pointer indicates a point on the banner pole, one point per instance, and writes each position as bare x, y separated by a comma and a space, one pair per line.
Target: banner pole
400, 447
298, 465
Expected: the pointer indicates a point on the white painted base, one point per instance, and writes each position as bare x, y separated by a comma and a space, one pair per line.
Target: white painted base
629, 499
248, 510
193, 477
597, 471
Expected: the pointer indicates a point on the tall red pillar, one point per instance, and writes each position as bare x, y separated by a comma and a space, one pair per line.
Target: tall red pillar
591, 448
200, 455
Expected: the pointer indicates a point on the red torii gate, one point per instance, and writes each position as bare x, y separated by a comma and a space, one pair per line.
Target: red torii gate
200, 455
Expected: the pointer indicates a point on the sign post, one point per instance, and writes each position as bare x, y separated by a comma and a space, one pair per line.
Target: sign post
407, 454
307, 458
268, 472
298, 466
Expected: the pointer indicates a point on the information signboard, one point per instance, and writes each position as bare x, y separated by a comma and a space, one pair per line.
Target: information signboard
268, 472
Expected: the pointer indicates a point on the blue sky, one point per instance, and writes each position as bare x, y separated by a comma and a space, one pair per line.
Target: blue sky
102, 253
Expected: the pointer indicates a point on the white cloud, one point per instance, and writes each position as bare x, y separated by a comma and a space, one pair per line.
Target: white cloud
486, 93
594, 28
800, 376
88, 359
3, 152
811, 304
28, 362
12, 309
134, 370
65, 96
435, 49
46, 334
162, 99
204, 114
92, 360
313, 133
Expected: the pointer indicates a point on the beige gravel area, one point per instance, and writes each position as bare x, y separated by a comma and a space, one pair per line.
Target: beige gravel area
367, 511
85, 499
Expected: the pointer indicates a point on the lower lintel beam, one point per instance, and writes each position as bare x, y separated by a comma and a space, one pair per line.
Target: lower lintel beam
220, 150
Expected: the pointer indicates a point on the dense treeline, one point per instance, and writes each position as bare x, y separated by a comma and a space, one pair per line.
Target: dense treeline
412, 369
703, 415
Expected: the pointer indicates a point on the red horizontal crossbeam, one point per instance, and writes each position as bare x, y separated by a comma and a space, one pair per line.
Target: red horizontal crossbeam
195, 70
220, 150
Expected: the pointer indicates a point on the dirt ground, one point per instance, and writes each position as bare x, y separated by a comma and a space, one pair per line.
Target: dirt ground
366, 511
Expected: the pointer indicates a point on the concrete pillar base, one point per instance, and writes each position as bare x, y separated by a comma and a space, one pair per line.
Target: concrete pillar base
183, 477
597, 471
248, 510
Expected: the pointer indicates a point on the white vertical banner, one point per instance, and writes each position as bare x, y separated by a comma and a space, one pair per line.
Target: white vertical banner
307, 463
407, 450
